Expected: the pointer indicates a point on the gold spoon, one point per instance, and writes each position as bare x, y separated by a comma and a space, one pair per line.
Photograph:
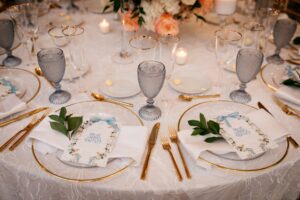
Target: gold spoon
39, 72
100, 97
184, 97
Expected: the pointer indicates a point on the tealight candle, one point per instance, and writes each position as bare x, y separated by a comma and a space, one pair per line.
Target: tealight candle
181, 56
104, 26
225, 7
108, 82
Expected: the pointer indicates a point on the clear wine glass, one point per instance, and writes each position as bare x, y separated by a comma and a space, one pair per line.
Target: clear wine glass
7, 31
248, 63
151, 76
53, 65
283, 32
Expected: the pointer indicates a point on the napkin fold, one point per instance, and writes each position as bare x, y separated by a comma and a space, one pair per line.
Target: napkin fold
290, 95
131, 142
195, 145
11, 105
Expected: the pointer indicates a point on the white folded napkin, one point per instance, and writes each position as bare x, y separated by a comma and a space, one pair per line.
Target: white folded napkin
11, 105
195, 145
131, 142
290, 95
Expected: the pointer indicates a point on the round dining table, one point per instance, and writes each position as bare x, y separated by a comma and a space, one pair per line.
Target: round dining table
22, 178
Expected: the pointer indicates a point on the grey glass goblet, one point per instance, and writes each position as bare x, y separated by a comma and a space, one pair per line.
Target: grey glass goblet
151, 76
7, 32
248, 64
283, 32
53, 65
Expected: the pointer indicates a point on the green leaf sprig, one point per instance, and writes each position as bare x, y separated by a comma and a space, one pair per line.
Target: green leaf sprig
66, 124
203, 128
291, 82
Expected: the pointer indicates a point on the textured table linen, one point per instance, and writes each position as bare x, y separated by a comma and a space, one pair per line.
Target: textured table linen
22, 178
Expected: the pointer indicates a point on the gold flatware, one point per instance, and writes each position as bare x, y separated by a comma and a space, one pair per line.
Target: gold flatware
100, 97
185, 97
166, 146
289, 138
39, 72
286, 109
28, 129
295, 62
261, 106
174, 139
151, 143
22, 116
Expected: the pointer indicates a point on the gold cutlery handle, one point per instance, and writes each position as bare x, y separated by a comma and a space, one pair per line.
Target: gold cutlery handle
119, 102
207, 96
145, 166
186, 169
293, 142
175, 165
10, 140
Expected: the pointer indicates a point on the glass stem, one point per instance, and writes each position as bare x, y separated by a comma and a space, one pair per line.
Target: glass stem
277, 51
243, 86
8, 52
123, 52
150, 102
223, 21
57, 86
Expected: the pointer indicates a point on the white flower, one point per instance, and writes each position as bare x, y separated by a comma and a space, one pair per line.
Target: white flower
171, 6
188, 2
153, 10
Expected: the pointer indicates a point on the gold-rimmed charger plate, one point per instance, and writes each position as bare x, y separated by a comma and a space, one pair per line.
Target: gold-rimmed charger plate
272, 76
29, 82
53, 166
212, 109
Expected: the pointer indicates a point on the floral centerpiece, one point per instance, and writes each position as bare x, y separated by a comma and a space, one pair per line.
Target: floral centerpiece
161, 16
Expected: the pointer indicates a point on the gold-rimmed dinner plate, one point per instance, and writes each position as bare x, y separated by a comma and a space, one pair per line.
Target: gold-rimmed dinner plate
55, 167
27, 83
212, 109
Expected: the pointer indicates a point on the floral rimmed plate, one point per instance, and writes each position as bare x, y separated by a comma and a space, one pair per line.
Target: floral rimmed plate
23, 83
212, 109
84, 173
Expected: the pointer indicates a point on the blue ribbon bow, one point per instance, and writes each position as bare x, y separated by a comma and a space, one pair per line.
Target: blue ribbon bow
224, 118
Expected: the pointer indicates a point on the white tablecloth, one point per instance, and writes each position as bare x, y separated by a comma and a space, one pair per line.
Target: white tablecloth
21, 177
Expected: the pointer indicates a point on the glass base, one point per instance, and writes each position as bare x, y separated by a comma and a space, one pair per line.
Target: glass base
150, 112
60, 97
123, 58
11, 61
240, 96
275, 59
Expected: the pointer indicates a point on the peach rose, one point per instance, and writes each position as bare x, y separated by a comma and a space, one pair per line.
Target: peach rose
166, 25
129, 23
206, 6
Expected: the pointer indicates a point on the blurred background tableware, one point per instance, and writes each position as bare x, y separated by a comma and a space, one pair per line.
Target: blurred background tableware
57, 36
52, 62
76, 61
151, 76
228, 43
144, 47
225, 8
167, 49
283, 32
96, 6
252, 36
69, 5
7, 30
248, 64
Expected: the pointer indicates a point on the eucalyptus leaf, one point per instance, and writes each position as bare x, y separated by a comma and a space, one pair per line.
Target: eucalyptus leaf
203, 124
63, 112
213, 139
57, 119
74, 123
291, 82
194, 123
59, 127
214, 127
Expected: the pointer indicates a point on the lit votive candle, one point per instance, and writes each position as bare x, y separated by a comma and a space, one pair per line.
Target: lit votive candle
104, 26
181, 56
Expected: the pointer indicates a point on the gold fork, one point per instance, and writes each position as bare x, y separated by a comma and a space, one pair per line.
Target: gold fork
287, 110
174, 139
166, 146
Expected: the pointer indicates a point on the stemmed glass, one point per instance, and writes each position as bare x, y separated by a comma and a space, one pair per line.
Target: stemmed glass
7, 31
53, 65
283, 32
151, 76
225, 8
248, 63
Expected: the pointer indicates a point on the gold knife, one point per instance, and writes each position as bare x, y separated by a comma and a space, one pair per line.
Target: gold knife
151, 143
289, 138
22, 116
28, 130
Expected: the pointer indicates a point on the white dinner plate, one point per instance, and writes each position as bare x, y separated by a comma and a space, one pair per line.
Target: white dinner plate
189, 81
120, 87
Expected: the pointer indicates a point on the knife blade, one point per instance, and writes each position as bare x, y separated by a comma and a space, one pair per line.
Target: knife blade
151, 143
22, 116
261, 106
